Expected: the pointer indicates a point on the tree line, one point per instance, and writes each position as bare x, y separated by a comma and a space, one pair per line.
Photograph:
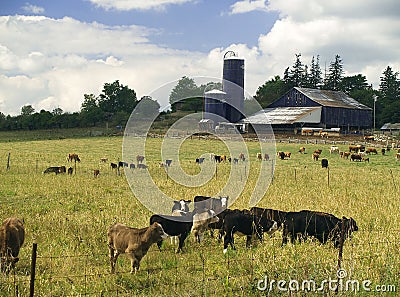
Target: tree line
113, 106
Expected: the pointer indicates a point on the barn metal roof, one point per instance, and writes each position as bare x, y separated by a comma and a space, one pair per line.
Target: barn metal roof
285, 115
390, 126
332, 98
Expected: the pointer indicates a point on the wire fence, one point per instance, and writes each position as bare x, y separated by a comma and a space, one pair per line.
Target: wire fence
240, 273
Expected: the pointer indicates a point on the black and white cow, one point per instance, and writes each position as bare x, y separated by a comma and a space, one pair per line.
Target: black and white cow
271, 214
181, 206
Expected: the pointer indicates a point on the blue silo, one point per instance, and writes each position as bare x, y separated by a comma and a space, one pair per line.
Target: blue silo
233, 86
214, 105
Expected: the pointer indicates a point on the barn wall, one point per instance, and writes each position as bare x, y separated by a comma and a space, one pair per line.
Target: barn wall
294, 98
346, 117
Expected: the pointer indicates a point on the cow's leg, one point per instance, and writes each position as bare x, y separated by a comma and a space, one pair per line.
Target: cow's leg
182, 238
248, 240
159, 244
228, 238
113, 261
134, 262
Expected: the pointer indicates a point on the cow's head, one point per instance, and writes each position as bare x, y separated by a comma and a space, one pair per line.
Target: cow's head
182, 205
158, 231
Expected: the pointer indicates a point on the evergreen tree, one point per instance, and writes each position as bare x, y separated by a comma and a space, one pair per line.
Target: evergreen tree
335, 74
315, 76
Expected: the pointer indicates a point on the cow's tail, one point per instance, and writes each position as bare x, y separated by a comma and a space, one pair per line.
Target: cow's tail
3, 251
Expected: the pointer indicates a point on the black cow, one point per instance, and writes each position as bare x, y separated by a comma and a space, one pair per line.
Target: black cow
323, 226
168, 163
324, 163
271, 214
113, 166
132, 166
122, 164
200, 160
174, 226
70, 170
245, 223
355, 157
55, 169
217, 158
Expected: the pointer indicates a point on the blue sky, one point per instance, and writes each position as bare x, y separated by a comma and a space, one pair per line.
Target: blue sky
54, 52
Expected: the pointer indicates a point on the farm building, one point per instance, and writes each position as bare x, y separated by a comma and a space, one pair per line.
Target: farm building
389, 128
313, 108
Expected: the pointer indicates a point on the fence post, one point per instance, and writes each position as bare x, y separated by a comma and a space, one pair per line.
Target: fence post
8, 161
33, 270
340, 256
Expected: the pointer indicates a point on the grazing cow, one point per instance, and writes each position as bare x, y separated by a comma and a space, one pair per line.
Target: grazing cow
113, 166
139, 158
334, 150
12, 236
168, 163
315, 156
103, 160
288, 154
397, 156
55, 169
324, 163
355, 157
70, 170
133, 242
200, 160
244, 223
281, 155
201, 222
96, 172
271, 214
302, 150
383, 151
319, 152
122, 164
320, 225
223, 158
181, 205
174, 226
369, 138
132, 166
73, 157
346, 155
371, 150
142, 166
266, 157
365, 159
356, 148
259, 156
242, 157
235, 160
217, 158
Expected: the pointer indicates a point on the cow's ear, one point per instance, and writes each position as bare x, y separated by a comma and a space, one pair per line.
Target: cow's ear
188, 201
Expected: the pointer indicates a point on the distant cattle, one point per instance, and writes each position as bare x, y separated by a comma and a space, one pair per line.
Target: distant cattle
96, 172
242, 157
139, 158
73, 157
259, 156
322, 226
365, 159
122, 164
324, 163
371, 150
133, 242
217, 158
345, 155
132, 166
209, 203
168, 163
235, 160
397, 156
355, 157
288, 154
113, 166
315, 156
201, 222
103, 160
356, 148
12, 236
281, 155
142, 166
383, 151
318, 151
244, 223
334, 150
266, 157
55, 169
200, 160
369, 138
302, 150
70, 170
223, 158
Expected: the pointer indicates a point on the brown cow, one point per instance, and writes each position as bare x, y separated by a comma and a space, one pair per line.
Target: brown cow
73, 157
315, 156
242, 157
371, 150
302, 150
12, 236
259, 156
139, 158
96, 172
266, 157
288, 154
132, 241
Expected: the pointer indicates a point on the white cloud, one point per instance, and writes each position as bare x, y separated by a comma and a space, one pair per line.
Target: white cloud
29, 8
245, 6
136, 4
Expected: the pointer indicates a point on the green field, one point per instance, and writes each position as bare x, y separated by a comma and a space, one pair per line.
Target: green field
68, 217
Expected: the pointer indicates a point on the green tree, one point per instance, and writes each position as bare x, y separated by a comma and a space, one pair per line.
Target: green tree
186, 96
270, 91
27, 110
335, 74
353, 83
147, 107
388, 104
315, 75
116, 97
91, 113
295, 77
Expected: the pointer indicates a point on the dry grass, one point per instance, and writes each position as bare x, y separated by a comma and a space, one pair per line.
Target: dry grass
68, 217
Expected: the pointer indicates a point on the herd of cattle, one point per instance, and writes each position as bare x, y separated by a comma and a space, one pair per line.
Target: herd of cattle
212, 213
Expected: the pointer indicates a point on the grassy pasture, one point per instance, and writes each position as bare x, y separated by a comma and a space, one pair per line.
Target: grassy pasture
68, 217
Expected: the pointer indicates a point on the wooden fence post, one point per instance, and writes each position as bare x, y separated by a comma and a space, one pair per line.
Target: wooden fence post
8, 161
33, 270
340, 256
